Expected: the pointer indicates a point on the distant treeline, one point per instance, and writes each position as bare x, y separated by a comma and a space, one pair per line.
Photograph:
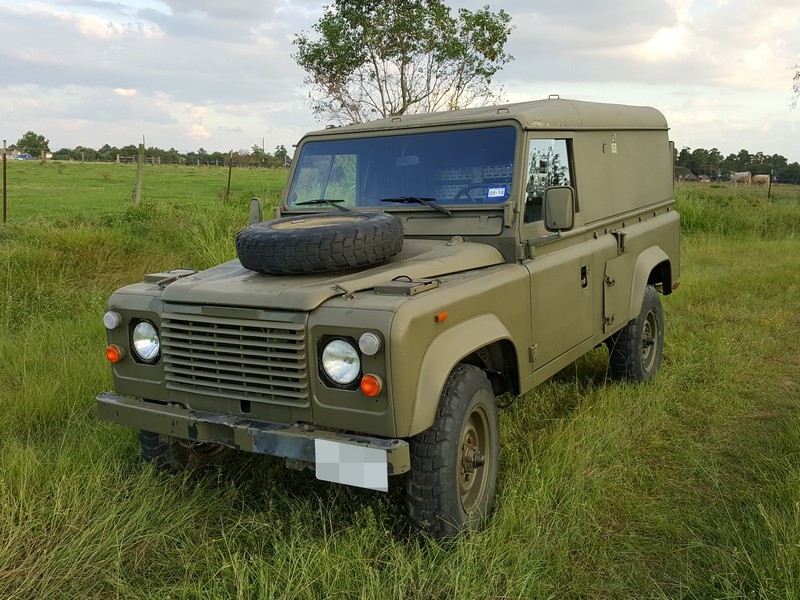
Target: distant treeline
256, 156
700, 162
712, 164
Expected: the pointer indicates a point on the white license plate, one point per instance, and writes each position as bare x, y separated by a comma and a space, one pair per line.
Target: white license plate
351, 464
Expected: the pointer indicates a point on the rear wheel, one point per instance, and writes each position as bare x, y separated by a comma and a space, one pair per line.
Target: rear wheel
174, 455
453, 478
636, 349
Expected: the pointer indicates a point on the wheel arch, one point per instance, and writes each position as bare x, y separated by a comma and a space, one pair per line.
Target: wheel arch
483, 341
653, 267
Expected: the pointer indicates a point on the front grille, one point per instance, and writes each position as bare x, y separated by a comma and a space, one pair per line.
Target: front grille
260, 361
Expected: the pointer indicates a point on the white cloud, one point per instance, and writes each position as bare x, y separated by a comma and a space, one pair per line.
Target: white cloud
180, 71
199, 132
197, 112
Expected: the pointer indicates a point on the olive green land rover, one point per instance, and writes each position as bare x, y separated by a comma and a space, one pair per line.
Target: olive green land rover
417, 268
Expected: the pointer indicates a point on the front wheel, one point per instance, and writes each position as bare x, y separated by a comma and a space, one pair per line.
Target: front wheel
175, 455
453, 478
635, 350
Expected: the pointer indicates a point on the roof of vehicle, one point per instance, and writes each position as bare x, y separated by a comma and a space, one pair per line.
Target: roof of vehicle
551, 113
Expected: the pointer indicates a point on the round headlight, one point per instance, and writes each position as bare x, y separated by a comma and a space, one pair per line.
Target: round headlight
341, 362
145, 340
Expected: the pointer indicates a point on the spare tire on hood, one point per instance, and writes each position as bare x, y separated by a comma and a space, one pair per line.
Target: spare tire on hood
319, 243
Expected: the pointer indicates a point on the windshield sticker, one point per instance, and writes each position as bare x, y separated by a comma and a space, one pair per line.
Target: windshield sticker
496, 192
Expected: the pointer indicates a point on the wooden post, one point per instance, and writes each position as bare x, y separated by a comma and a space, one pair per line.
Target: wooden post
230, 167
4, 181
137, 190
769, 189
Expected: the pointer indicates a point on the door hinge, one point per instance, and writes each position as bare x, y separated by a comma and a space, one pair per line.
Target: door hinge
532, 350
621, 237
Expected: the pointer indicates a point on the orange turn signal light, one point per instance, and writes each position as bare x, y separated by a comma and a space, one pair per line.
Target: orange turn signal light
114, 353
442, 316
371, 385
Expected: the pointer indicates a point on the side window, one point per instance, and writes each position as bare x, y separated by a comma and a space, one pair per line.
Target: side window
548, 165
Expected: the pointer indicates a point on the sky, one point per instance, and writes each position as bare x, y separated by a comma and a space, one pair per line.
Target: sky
218, 74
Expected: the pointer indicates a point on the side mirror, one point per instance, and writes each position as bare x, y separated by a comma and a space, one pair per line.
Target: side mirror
559, 208
256, 213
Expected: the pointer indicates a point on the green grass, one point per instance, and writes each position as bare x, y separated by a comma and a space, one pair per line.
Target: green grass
685, 488
65, 189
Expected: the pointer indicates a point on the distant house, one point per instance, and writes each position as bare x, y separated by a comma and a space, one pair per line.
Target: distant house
684, 174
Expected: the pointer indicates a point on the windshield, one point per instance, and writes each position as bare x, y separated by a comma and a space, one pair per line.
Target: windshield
468, 167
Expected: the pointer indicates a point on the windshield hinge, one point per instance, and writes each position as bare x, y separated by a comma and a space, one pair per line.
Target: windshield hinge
345, 293
509, 213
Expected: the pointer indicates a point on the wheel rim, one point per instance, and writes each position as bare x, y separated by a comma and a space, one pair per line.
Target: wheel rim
650, 337
474, 450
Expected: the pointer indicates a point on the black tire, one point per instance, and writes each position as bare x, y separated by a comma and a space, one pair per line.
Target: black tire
453, 478
174, 455
319, 243
635, 350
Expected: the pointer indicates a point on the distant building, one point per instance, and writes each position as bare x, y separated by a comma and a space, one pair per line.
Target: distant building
684, 174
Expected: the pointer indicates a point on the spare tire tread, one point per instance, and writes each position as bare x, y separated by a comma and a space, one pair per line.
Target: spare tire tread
321, 243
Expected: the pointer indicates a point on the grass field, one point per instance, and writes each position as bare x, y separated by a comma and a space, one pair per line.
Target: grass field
64, 190
685, 488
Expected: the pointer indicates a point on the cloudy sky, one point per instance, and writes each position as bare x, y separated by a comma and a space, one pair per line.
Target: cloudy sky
218, 74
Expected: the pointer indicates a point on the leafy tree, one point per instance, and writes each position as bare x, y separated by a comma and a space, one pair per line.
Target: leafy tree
376, 59
258, 155
281, 156
33, 143
684, 157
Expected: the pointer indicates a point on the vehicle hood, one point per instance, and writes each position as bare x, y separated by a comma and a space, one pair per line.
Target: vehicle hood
230, 284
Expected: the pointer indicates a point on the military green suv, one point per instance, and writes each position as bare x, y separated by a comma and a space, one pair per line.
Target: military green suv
417, 268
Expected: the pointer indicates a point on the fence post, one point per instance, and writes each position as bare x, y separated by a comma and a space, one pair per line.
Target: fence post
4, 181
769, 189
230, 167
137, 190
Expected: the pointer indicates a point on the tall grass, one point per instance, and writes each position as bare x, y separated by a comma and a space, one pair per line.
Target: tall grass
686, 488
738, 211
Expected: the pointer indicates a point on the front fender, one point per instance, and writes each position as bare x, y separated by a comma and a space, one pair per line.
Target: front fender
445, 352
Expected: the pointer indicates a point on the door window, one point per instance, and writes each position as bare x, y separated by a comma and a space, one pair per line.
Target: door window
548, 165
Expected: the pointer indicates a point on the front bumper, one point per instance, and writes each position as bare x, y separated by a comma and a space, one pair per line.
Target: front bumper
338, 457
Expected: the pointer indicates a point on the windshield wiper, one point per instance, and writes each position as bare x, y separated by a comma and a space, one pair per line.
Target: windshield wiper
416, 199
320, 201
